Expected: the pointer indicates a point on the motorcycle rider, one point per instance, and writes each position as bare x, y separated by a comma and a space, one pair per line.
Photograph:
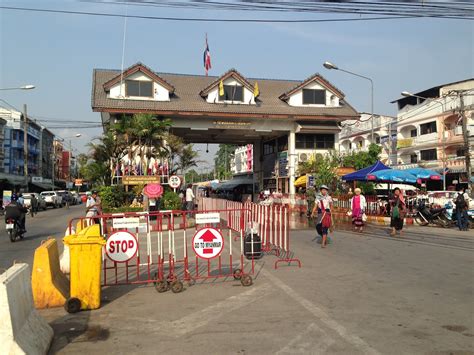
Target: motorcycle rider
15, 210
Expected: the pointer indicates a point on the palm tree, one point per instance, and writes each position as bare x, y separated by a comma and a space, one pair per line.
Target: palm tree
187, 159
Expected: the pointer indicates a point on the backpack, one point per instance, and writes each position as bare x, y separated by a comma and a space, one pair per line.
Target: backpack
460, 202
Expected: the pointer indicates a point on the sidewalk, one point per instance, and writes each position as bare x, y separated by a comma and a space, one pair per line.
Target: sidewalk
345, 299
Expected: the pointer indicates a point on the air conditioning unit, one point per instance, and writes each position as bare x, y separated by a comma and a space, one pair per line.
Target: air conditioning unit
303, 157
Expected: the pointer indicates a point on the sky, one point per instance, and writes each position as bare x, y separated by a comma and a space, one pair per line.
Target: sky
58, 52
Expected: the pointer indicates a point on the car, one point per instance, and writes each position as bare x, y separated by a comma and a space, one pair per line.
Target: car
52, 199
66, 197
40, 201
76, 198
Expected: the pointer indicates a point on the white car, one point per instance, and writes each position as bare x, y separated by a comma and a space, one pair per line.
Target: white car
52, 198
40, 201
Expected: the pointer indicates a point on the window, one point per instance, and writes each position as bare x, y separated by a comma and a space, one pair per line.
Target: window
269, 147
377, 139
460, 152
413, 158
413, 133
429, 154
232, 93
139, 88
315, 141
314, 97
427, 128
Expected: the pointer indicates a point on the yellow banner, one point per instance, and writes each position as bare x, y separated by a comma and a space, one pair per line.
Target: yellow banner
140, 180
405, 143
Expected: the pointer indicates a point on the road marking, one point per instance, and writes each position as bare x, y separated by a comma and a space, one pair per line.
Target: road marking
322, 316
209, 314
312, 339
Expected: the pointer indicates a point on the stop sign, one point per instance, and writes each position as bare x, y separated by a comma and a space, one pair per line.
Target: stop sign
121, 246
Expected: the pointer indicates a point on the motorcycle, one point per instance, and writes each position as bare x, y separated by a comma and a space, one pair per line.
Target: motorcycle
426, 215
13, 229
451, 215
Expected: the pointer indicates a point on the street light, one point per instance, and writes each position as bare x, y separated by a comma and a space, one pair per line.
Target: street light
24, 87
409, 94
330, 66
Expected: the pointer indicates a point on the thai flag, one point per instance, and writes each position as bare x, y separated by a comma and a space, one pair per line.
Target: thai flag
207, 57
445, 171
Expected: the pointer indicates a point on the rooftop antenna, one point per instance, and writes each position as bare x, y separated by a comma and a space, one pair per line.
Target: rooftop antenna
123, 47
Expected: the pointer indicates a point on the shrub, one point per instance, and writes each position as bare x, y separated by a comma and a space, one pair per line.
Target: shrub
123, 209
112, 196
171, 201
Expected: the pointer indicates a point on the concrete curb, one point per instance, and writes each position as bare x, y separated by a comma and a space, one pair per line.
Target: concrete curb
22, 330
378, 220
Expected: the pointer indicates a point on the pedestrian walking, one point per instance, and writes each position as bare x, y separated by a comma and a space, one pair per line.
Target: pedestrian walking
322, 209
462, 205
189, 199
358, 206
398, 212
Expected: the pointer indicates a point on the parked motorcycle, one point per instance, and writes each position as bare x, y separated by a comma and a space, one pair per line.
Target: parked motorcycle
451, 215
426, 215
13, 229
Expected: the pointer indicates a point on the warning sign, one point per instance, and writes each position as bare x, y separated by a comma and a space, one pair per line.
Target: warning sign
121, 246
208, 243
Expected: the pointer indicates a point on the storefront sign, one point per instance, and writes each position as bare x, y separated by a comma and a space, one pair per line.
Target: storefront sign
38, 179
78, 182
405, 143
283, 164
140, 180
7, 197
343, 171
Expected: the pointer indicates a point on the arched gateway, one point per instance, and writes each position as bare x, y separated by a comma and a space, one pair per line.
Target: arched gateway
283, 119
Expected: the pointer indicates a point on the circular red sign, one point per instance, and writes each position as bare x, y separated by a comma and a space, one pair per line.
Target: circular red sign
121, 246
208, 243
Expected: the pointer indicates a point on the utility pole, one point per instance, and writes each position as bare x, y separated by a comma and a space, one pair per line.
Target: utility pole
25, 145
465, 134
53, 159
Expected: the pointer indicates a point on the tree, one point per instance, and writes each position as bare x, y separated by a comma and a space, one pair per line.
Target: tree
323, 167
222, 160
192, 176
187, 159
362, 159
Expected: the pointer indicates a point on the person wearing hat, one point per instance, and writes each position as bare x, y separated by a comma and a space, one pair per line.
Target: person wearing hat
322, 208
358, 206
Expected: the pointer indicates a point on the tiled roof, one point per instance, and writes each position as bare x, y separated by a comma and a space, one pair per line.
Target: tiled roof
186, 98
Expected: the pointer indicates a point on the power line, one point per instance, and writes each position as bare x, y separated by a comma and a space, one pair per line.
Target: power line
194, 19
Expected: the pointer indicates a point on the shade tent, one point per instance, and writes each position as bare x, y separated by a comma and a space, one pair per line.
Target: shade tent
424, 174
361, 175
392, 175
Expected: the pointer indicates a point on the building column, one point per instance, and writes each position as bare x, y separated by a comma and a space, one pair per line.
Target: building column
291, 161
257, 165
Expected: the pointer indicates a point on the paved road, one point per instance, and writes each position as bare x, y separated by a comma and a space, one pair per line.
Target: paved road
364, 294
52, 222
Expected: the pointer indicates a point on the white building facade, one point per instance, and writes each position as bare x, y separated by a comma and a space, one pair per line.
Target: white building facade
430, 131
357, 135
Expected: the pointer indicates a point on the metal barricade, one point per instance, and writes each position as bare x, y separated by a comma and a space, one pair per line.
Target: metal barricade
163, 252
272, 221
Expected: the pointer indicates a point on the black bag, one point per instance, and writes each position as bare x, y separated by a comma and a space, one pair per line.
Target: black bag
460, 202
257, 246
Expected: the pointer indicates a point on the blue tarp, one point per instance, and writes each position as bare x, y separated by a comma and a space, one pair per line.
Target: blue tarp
422, 173
361, 175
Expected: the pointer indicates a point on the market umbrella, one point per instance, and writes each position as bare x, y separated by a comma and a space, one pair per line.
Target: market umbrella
392, 175
153, 190
424, 174
301, 181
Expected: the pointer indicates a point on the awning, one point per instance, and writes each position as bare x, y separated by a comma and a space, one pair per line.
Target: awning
231, 184
42, 185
